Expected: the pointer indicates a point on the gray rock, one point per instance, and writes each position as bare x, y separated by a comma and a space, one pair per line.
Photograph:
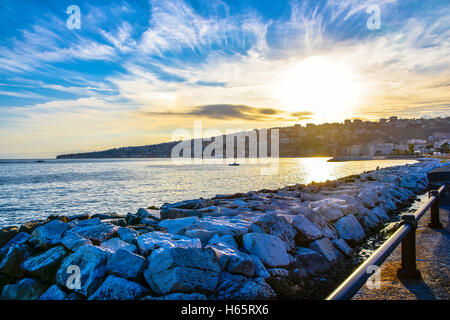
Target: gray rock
141, 228
54, 293
178, 296
278, 226
132, 219
97, 233
107, 216
329, 208
235, 287
75, 296
215, 211
343, 247
91, 261
114, 244
44, 265
178, 226
233, 260
10, 264
125, 264
151, 241
368, 220
183, 270
381, 214
25, 289
80, 217
20, 238
270, 249
49, 234
188, 204
128, 235
177, 213
309, 262
260, 269
350, 230
89, 222
147, 213
7, 234
278, 272
327, 229
223, 226
227, 239
116, 288
306, 230
149, 222
203, 235
121, 222
326, 248
30, 226
73, 224
73, 241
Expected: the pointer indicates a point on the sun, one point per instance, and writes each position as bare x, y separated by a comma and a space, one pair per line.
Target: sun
325, 86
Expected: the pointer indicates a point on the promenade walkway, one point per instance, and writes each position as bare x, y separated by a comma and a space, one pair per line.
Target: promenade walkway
433, 260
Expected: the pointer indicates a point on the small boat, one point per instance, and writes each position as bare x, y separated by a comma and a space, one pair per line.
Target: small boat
233, 164
39, 161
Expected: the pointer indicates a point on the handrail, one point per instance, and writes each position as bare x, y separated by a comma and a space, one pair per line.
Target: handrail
409, 222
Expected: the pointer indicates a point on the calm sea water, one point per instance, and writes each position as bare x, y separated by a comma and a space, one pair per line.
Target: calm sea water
33, 190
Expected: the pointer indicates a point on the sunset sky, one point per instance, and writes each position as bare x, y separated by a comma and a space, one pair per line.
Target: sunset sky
137, 70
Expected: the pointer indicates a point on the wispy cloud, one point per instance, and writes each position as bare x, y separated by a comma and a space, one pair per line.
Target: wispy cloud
232, 112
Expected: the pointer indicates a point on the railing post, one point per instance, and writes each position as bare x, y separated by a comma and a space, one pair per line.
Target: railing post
409, 268
435, 223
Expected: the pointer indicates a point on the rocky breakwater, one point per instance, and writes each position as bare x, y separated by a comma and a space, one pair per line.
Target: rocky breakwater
255, 245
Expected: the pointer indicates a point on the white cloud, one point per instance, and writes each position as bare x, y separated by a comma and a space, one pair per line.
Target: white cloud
174, 25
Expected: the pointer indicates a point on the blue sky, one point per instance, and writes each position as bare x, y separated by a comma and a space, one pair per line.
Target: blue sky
137, 70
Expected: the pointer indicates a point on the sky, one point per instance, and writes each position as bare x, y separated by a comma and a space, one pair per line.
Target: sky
135, 71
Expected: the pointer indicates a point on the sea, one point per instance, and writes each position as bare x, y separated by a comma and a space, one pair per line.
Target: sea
35, 189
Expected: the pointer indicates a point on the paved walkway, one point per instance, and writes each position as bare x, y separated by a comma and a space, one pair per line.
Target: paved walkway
433, 260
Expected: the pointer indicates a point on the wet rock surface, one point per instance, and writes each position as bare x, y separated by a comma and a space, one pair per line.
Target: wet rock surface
295, 242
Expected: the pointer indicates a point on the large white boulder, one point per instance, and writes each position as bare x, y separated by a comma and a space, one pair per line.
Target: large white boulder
326, 248
350, 230
236, 287
151, 241
277, 225
116, 288
90, 261
178, 226
49, 235
306, 230
270, 249
184, 270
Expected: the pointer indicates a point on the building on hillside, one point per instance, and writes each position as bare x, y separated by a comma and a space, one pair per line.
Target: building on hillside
401, 147
420, 148
417, 141
357, 150
438, 144
381, 148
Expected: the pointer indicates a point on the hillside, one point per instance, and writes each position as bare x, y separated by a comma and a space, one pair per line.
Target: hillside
328, 139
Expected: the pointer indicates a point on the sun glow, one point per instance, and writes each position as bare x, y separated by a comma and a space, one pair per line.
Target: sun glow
327, 87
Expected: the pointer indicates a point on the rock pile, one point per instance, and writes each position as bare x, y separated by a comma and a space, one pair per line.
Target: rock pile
240, 246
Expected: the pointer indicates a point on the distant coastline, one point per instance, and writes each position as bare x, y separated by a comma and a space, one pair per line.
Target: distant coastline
357, 139
365, 158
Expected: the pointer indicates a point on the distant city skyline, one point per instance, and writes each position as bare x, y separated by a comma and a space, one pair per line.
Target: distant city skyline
131, 72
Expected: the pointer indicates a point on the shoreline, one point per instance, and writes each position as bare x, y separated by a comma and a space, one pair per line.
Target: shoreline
253, 245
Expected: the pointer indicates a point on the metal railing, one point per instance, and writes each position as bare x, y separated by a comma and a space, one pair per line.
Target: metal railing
406, 234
